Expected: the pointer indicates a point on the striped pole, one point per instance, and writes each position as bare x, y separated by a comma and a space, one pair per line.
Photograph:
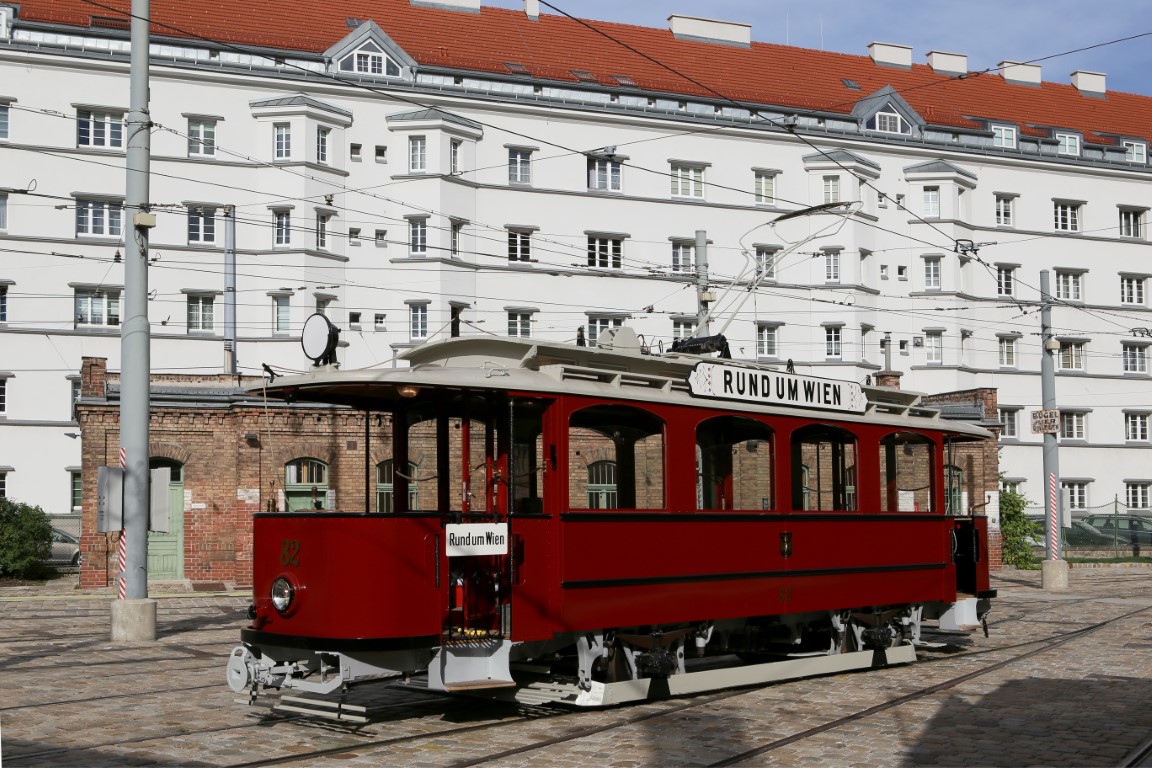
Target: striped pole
1052, 516
123, 579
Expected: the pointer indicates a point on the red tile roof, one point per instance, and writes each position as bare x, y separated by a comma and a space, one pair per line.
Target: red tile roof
551, 47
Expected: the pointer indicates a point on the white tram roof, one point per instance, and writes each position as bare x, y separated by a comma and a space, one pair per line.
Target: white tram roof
620, 370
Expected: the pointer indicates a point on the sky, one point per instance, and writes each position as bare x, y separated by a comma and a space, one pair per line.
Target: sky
988, 31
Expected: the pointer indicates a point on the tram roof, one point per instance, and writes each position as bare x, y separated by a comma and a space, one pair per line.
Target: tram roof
622, 371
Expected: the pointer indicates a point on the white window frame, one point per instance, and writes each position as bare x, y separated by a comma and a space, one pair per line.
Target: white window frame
766, 262
1132, 222
683, 256
1132, 290
201, 226
98, 218
201, 137
934, 348
683, 329
322, 231
831, 189
1005, 205
1072, 354
932, 274
519, 245
1138, 495
1076, 492
418, 237
765, 188
1005, 281
102, 130
767, 340
3, 410
282, 141
1006, 351
687, 181
888, 120
833, 342
1066, 216
519, 165
97, 307
1069, 286
1068, 144
831, 265
1073, 425
201, 312
454, 146
1135, 358
4, 121
604, 174
417, 321
520, 324
1135, 152
322, 135
3, 211
1004, 136
597, 324
283, 228
605, 252
281, 314
1136, 427
3, 303
417, 154
1010, 418
931, 202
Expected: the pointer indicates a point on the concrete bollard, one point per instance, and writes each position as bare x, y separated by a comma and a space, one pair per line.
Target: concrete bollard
1054, 575
133, 621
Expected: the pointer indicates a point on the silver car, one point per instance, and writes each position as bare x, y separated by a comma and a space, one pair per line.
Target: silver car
65, 548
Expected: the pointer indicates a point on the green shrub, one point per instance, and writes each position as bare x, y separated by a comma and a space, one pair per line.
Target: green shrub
1017, 531
25, 539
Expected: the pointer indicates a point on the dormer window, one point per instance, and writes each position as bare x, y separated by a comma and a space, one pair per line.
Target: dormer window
888, 120
369, 59
1068, 144
1135, 152
1004, 136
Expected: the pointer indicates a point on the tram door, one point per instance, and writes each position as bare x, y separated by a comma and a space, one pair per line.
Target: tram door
969, 553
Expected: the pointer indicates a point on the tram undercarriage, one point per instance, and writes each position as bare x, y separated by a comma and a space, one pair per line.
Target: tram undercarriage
604, 668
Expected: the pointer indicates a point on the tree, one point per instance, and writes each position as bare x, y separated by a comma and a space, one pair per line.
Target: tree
25, 539
1017, 532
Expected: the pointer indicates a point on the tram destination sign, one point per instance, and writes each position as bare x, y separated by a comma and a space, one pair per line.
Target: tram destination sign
471, 539
731, 382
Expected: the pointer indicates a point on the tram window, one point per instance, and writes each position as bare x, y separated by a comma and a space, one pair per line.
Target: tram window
734, 464
906, 461
615, 459
823, 469
385, 480
305, 485
528, 465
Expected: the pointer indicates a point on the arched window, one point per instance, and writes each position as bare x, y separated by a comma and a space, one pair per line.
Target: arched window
175, 468
906, 461
829, 456
602, 485
734, 464
385, 476
305, 485
954, 495
622, 448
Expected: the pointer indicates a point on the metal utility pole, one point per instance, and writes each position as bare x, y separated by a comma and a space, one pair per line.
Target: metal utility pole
230, 362
134, 618
703, 295
1054, 571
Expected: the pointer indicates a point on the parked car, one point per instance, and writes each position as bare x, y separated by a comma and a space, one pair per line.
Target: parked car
1082, 534
1126, 528
65, 548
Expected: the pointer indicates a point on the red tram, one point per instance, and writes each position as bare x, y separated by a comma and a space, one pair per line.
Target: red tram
578, 524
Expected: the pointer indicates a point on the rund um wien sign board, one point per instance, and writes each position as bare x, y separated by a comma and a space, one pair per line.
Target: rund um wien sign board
731, 382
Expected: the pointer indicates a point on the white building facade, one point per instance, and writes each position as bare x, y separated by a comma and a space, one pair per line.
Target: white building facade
445, 169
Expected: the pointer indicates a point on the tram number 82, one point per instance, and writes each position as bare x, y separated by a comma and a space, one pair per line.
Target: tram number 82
290, 552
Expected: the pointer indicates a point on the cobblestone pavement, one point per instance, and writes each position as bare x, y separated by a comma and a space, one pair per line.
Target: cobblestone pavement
1063, 680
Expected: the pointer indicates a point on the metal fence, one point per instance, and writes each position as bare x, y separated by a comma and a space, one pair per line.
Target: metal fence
67, 523
1106, 531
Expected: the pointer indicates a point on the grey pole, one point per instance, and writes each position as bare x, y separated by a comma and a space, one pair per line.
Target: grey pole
702, 299
134, 619
230, 362
1054, 570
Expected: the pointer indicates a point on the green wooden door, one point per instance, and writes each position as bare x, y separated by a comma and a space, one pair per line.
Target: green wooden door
166, 550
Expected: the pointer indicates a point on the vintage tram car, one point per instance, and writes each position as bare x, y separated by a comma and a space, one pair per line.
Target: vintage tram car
586, 521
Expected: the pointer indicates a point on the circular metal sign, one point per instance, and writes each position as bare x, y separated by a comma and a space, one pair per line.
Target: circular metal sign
318, 338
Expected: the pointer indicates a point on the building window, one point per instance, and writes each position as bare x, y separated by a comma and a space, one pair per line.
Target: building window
201, 225
931, 202
200, 311
602, 485
283, 227
519, 166
767, 338
354, 236
378, 321
454, 156
3, 212
380, 238
932, 274
305, 484
520, 324
3, 410
3, 303
1135, 151
1135, 358
1004, 136
519, 245
99, 129
953, 490
77, 484
766, 262
98, 218
687, 181
1007, 347
76, 385
1008, 418
1068, 144
597, 325
322, 231
385, 482
4, 121
97, 307
1136, 427
934, 347
368, 59
1072, 425
1068, 286
418, 321
1131, 222
417, 154
454, 233
355, 152
1077, 494
1004, 210
605, 252
1137, 495
833, 347
1072, 355
1131, 290
831, 266
1005, 281
282, 135
201, 137
280, 314
890, 121
603, 174
765, 188
683, 259
322, 145
831, 189
683, 329
3, 481
380, 153
1066, 217
418, 237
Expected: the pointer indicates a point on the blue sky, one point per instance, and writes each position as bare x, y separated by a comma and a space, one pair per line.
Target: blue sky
988, 31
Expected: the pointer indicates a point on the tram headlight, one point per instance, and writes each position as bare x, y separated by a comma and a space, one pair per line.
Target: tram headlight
282, 594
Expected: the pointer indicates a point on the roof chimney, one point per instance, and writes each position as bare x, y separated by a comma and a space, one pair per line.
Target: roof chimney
1020, 74
891, 54
532, 9
711, 31
943, 63
1090, 83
